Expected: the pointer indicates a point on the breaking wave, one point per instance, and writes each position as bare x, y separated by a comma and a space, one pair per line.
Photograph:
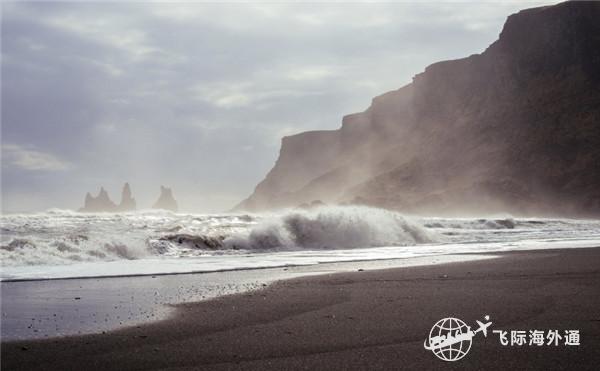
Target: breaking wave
60, 237
331, 228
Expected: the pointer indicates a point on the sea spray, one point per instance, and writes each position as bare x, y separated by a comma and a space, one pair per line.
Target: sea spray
333, 227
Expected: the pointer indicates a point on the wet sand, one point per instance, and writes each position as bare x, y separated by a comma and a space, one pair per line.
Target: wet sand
373, 319
38, 309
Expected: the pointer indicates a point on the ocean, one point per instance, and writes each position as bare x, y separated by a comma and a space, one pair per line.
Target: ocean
66, 244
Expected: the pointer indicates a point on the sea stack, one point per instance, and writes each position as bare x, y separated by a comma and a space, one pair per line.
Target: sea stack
127, 201
166, 201
102, 202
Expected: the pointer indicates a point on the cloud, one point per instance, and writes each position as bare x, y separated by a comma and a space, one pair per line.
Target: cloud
305, 73
229, 95
32, 160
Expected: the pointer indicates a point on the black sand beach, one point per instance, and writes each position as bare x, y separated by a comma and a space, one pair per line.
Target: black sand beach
361, 320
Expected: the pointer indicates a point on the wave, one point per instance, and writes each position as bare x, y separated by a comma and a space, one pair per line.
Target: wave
48, 240
60, 237
332, 227
505, 223
329, 227
27, 252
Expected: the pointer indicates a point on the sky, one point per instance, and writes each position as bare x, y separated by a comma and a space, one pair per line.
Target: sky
197, 96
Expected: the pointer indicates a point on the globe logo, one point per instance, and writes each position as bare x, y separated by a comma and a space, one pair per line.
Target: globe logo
450, 338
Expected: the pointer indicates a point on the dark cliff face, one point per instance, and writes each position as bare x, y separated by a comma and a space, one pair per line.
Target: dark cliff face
514, 129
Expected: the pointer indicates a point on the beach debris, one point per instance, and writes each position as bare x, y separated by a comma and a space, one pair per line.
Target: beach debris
77, 298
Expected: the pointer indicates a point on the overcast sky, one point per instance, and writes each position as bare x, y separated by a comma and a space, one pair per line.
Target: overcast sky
197, 96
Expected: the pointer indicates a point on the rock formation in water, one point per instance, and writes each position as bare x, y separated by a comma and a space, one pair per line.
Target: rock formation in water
103, 203
127, 200
100, 203
166, 200
513, 129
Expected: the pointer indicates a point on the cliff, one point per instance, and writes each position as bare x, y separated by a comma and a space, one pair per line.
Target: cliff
166, 201
513, 129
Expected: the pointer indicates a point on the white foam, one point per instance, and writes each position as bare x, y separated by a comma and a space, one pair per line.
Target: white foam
336, 227
68, 244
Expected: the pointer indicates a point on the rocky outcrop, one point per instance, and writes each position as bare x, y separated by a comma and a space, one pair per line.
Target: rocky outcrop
127, 201
166, 201
513, 129
100, 203
103, 203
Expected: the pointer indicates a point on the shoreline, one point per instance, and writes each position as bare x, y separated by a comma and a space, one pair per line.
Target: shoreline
375, 319
286, 266
37, 309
